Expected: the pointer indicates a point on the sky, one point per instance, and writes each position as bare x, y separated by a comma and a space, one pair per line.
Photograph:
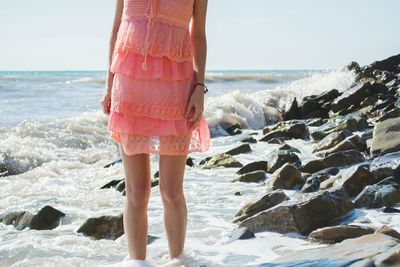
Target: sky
252, 34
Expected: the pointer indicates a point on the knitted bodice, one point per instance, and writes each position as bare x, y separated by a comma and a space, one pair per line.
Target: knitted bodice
157, 28
175, 12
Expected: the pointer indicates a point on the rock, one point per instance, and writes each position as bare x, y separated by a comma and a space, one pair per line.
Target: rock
251, 177
390, 210
338, 233
241, 233
389, 258
222, 160
389, 64
293, 130
350, 143
387, 230
243, 148
353, 66
277, 158
386, 137
303, 217
103, 227
356, 94
328, 183
378, 195
356, 180
314, 181
386, 165
351, 122
46, 219
346, 253
337, 159
249, 139
315, 122
112, 183
233, 129
286, 177
112, 163
332, 140
289, 148
293, 112
269, 200
254, 166
318, 105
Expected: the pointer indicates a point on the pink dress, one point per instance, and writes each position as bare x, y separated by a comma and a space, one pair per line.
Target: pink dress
153, 81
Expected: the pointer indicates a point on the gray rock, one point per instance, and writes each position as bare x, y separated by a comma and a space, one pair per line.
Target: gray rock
303, 217
277, 158
243, 148
251, 177
378, 195
241, 233
269, 200
332, 140
293, 130
386, 137
386, 165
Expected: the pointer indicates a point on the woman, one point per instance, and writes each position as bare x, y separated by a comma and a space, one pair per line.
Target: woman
155, 99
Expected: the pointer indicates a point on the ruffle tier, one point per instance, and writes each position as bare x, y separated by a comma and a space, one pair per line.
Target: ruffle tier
147, 107
165, 39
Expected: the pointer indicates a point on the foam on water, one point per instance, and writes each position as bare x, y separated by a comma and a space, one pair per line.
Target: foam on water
62, 162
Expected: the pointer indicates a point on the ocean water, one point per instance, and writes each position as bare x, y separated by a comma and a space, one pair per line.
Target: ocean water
52, 127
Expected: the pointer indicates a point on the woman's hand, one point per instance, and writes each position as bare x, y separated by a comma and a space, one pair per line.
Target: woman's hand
196, 102
106, 99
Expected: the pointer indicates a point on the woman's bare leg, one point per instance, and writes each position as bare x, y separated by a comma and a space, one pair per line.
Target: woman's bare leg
172, 170
138, 188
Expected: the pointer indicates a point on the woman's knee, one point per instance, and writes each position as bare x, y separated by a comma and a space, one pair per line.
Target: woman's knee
138, 197
171, 195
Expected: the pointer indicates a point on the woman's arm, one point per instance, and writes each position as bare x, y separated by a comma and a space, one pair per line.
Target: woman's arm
199, 43
116, 24
106, 99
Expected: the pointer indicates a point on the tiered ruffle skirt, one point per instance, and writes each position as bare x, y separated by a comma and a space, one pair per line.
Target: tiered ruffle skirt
148, 106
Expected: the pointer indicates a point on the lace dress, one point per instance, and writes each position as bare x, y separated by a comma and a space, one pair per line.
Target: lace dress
153, 80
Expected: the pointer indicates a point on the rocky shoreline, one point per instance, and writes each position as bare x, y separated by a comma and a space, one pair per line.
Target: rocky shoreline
355, 141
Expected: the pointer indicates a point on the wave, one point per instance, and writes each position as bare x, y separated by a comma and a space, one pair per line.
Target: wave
270, 78
11, 78
100, 80
258, 109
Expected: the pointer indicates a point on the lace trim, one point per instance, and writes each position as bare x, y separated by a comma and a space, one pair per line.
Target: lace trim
163, 145
161, 111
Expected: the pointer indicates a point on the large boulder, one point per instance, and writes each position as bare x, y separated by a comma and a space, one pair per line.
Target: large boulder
304, 216
356, 179
367, 250
286, 177
386, 137
261, 165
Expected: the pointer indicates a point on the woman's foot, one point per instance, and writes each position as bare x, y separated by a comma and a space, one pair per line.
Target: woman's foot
127, 261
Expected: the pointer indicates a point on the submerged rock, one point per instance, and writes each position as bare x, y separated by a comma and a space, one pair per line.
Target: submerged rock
222, 160
303, 217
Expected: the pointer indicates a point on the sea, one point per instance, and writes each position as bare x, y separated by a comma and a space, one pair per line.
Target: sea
53, 129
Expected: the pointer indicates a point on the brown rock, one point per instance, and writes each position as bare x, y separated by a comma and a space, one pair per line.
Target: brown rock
338, 233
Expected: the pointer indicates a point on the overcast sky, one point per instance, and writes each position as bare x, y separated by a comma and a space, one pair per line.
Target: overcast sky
252, 34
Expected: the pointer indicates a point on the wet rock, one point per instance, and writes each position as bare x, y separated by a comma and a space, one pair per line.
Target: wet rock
251, 177
350, 143
269, 200
386, 165
389, 64
356, 180
352, 122
222, 160
389, 258
241, 233
390, 210
112, 163
293, 130
349, 252
318, 105
386, 137
315, 122
103, 227
286, 177
387, 230
356, 94
328, 183
261, 165
13, 165
249, 139
337, 159
277, 158
232, 129
314, 181
243, 148
46, 219
338, 233
332, 140
112, 183
384, 193
293, 111
303, 217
